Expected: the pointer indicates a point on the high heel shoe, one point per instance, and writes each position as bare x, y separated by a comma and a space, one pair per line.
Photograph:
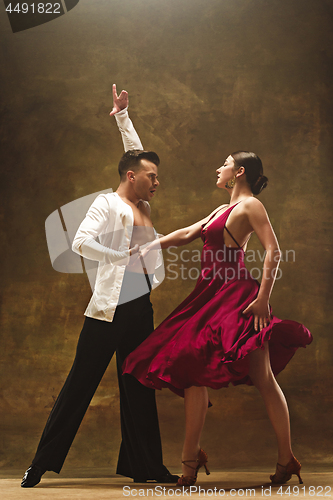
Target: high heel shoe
292, 467
200, 461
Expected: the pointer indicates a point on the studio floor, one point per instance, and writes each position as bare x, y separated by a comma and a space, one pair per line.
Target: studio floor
236, 484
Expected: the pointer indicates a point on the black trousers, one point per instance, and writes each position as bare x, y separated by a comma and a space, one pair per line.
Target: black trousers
140, 452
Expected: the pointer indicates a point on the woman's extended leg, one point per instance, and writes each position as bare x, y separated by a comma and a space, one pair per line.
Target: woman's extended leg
276, 405
196, 404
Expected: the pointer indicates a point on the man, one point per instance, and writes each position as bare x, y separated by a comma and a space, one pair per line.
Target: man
119, 317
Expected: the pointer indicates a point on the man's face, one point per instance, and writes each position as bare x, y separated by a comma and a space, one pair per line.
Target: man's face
145, 180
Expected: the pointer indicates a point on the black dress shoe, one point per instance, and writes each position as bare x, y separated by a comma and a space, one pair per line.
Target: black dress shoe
166, 478
32, 476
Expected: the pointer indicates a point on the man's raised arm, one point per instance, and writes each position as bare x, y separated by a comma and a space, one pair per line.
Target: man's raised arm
129, 135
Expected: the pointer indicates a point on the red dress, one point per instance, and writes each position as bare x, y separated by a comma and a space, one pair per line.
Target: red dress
206, 340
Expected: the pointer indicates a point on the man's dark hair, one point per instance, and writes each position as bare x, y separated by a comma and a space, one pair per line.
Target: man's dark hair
131, 160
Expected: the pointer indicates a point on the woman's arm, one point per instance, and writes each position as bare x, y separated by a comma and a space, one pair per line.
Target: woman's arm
175, 239
180, 237
261, 225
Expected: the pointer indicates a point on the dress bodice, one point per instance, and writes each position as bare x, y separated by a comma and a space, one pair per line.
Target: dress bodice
214, 251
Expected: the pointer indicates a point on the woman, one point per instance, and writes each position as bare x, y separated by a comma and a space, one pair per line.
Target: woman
223, 331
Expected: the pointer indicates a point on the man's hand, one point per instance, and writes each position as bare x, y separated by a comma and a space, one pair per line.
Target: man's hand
119, 102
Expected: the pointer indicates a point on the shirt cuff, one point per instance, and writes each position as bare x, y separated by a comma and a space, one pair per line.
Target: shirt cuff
122, 113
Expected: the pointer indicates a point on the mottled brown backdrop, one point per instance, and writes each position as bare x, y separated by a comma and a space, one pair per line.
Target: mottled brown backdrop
205, 78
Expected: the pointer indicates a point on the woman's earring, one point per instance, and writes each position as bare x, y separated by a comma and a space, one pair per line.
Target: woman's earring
231, 183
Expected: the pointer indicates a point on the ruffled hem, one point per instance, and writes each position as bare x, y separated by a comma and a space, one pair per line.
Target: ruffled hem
284, 337
207, 340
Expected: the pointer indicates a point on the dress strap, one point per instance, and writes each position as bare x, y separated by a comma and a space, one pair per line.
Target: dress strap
210, 218
225, 227
213, 215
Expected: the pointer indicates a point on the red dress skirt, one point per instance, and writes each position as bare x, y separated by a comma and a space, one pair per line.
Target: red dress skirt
206, 340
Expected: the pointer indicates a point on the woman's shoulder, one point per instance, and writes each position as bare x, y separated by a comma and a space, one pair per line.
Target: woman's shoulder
251, 203
254, 210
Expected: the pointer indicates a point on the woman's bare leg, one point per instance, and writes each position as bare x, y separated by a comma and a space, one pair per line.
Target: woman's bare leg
196, 404
276, 405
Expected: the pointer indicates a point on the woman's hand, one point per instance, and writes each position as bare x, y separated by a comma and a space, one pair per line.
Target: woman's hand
134, 255
134, 250
145, 252
261, 313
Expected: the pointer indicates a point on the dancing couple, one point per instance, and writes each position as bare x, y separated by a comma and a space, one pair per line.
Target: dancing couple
223, 332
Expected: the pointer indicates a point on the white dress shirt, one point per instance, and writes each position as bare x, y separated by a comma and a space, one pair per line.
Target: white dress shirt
111, 220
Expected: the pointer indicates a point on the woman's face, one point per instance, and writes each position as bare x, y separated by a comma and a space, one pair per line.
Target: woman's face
225, 172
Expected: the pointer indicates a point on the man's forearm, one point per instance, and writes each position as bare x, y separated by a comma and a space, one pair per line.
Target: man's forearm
91, 249
129, 135
92, 226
